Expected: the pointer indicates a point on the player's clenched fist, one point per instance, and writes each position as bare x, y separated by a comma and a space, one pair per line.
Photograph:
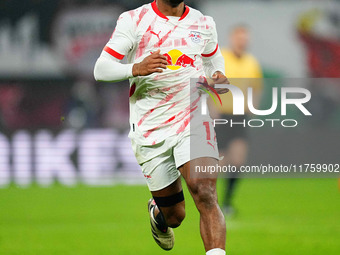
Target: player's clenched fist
155, 63
219, 78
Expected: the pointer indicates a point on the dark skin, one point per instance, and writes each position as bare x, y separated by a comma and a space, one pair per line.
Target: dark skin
202, 190
154, 63
168, 8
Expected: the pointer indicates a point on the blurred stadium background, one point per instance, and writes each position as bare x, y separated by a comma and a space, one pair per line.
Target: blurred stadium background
69, 182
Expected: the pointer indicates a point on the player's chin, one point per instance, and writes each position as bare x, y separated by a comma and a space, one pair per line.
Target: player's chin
175, 3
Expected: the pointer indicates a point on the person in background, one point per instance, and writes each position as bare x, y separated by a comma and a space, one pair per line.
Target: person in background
244, 71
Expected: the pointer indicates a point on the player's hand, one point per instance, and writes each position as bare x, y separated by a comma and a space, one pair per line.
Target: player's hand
219, 78
155, 63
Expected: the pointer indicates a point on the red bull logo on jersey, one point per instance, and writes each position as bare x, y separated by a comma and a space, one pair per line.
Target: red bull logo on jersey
176, 59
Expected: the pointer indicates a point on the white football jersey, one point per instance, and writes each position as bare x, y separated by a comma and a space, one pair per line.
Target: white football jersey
160, 104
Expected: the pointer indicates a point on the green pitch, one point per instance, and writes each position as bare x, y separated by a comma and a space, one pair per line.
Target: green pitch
277, 217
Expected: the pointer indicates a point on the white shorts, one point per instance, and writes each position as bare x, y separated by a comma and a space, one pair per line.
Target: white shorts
160, 162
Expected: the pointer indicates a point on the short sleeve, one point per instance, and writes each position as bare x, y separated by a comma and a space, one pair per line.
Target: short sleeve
212, 45
122, 39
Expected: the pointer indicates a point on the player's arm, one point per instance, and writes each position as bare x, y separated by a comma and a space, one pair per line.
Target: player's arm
109, 69
108, 66
213, 61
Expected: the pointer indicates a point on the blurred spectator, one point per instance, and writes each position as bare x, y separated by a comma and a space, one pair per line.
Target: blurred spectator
319, 31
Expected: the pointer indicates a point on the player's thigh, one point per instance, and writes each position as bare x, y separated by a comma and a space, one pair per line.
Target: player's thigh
193, 155
160, 170
170, 190
163, 177
202, 186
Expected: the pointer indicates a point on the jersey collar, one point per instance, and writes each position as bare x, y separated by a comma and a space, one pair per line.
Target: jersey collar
158, 12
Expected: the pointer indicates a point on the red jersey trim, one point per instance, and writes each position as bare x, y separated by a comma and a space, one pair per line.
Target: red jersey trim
186, 12
158, 12
113, 53
210, 54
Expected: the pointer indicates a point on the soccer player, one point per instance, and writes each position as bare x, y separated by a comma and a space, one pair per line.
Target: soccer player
245, 71
166, 44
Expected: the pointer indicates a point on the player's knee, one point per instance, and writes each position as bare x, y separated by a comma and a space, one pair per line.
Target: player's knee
204, 194
173, 209
175, 219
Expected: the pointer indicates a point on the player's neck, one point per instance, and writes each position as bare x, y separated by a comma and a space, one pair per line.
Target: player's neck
165, 8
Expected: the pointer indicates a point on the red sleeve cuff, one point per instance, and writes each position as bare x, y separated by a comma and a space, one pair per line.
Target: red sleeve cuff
211, 54
113, 53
